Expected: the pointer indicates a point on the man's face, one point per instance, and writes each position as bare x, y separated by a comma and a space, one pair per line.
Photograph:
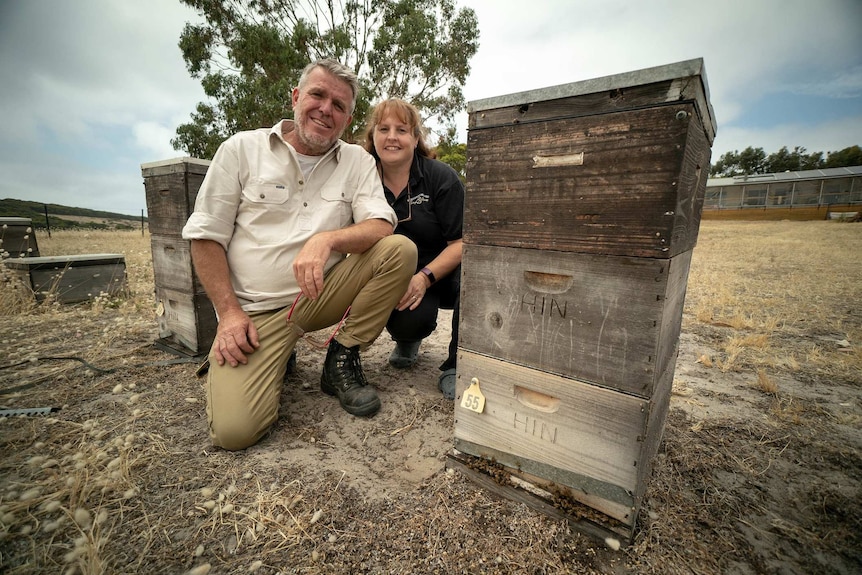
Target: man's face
321, 111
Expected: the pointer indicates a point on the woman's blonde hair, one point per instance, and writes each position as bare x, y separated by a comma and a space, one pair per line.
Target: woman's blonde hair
404, 111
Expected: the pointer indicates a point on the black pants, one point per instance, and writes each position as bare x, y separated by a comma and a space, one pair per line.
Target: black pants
416, 325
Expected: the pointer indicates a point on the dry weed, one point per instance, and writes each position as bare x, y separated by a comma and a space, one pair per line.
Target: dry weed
765, 383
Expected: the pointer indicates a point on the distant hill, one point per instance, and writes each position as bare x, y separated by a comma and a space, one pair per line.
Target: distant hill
66, 217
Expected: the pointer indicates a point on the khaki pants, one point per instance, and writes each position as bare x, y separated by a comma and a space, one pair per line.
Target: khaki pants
242, 401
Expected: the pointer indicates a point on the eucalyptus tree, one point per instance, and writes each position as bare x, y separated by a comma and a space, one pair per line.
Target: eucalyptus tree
248, 55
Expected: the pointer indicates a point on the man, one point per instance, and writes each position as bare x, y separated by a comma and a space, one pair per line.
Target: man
276, 215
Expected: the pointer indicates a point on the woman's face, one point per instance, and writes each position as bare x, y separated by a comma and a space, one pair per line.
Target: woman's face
394, 141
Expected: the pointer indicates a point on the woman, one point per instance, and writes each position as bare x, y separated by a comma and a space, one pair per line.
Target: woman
428, 197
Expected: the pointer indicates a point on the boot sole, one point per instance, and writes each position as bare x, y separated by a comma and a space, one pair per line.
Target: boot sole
361, 410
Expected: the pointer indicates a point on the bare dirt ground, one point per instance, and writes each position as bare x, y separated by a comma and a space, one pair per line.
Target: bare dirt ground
759, 470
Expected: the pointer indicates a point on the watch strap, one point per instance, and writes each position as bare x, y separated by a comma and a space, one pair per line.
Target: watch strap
430, 275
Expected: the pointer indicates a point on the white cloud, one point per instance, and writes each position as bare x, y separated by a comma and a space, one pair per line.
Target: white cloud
751, 50
93, 89
154, 139
843, 84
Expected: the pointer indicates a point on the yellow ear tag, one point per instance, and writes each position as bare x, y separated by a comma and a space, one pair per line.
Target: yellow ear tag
473, 398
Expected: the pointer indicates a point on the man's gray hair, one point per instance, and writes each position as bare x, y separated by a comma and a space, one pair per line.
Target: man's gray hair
338, 70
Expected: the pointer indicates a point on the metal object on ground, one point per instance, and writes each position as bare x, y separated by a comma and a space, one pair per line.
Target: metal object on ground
28, 411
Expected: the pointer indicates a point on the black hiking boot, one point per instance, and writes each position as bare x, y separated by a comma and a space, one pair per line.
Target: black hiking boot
342, 376
291, 365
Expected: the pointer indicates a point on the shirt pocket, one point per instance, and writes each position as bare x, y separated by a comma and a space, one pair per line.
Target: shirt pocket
263, 214
338, 199
265, 193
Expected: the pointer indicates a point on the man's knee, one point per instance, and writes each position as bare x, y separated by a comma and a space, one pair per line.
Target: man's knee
236, 432
401, 248
239, 410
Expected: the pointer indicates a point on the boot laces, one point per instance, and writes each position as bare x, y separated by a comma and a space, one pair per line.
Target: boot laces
350, 359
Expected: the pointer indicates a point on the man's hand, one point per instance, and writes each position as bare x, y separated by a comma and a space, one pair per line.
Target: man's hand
236, 336
309, 263
354, 239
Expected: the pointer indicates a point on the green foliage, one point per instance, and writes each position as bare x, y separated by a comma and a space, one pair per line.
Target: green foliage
35, 211
249, 53
448, 150
755, 161
786, 161
851, 156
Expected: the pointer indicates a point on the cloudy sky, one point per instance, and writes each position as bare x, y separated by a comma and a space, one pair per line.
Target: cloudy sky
94, 88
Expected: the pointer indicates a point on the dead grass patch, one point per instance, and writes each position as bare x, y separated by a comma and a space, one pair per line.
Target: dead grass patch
759, 469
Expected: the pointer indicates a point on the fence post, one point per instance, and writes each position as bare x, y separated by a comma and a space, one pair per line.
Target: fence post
47, 222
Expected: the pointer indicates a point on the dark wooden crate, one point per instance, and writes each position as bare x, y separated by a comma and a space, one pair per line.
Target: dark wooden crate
614, 166
171, 188
185, 318
172, 264
18, 238
72, 279
610, 320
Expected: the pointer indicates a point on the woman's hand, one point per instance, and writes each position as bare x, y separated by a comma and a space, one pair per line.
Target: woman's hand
415, 292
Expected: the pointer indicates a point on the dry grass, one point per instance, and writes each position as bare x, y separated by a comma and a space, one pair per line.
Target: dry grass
759, 470
17, 299
769, 281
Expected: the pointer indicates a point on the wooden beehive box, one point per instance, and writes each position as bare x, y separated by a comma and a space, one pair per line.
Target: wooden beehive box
172, 187
185, 319
72, 279
582, 209
185, 315
18, 238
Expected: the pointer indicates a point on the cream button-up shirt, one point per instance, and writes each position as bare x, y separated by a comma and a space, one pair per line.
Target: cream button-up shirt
257, 204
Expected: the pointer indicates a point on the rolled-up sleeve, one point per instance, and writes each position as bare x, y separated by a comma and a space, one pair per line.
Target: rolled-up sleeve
218, 199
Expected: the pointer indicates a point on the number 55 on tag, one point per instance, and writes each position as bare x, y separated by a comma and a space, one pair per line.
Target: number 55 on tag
473, 398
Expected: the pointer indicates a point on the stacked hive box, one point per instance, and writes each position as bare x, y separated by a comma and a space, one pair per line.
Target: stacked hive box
582, 209
72, 279
185, 315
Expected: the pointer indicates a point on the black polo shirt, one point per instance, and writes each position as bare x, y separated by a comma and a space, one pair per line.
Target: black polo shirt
436, 209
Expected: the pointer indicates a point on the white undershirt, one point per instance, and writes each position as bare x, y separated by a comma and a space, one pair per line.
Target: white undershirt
307, 163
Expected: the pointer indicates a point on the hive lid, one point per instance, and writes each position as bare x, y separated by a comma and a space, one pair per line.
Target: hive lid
174, 165
42, 262
685, 80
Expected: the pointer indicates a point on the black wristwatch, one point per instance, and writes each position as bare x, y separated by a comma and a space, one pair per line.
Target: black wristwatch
430, 275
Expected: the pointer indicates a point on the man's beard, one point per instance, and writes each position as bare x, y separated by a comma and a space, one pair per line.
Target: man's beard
316, 144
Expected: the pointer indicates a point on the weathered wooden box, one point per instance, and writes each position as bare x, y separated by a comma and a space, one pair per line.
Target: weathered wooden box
582, 209
612, 321
72, 279
172, 187
616, 165
185, 318
172, 264
184, 313
585, 445
18, 238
